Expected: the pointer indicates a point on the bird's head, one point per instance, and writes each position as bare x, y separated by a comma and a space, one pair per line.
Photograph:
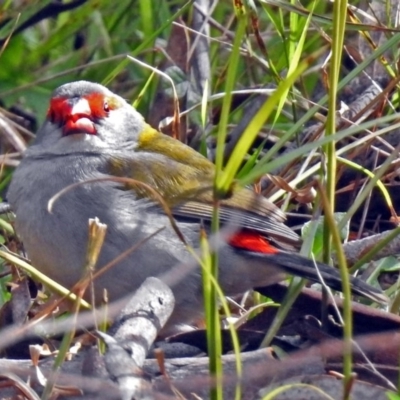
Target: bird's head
85, 116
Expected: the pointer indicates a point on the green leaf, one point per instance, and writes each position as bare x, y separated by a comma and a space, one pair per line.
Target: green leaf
316, 227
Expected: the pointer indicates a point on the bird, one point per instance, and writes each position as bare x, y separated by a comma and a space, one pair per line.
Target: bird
91, 134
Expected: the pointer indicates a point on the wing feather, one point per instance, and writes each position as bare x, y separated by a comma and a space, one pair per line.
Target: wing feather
184, 179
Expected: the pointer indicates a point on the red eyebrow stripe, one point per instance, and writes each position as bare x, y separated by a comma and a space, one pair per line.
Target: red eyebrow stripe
96, 102
57, 108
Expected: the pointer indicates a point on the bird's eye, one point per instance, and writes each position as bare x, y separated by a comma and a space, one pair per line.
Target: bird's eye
106, 107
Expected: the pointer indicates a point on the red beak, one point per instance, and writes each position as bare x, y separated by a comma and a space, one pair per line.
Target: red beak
73, 115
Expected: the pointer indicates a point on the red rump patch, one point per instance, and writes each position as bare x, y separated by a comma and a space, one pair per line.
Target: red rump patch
252, 241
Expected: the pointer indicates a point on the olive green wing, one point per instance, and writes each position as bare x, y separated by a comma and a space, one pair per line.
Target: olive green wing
184, 179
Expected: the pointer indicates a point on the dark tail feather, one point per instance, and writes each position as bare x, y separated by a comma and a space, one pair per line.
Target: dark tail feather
295, 264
